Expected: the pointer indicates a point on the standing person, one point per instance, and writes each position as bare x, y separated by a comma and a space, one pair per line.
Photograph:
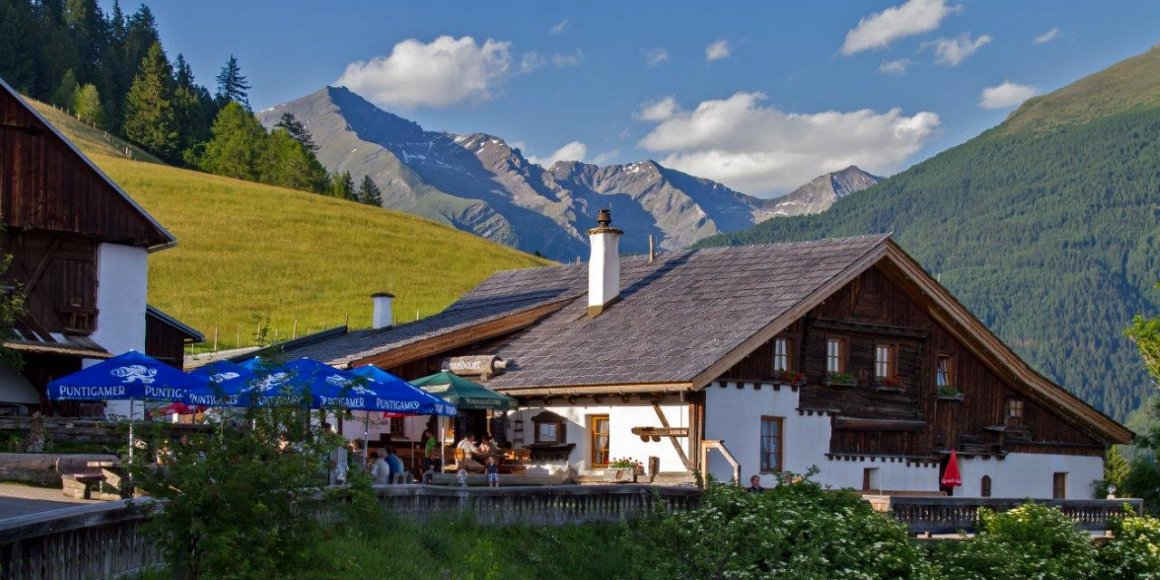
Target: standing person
492, 471
338, 457
380, 472
396, 466
471, 455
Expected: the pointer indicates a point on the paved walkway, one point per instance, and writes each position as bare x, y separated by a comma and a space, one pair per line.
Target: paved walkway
19, 500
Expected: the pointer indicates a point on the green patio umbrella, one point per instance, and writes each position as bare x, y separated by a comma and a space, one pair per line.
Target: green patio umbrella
464, 394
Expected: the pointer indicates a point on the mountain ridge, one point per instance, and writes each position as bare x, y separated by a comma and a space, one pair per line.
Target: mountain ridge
479, 183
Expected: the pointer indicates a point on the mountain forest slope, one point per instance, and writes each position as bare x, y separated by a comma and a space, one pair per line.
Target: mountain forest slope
1047, 227
250, 253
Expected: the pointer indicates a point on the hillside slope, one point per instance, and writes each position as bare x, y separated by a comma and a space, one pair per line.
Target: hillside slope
479, 183
1047, 227
248, 251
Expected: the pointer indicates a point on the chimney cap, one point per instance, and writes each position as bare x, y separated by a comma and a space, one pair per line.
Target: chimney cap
382, 295
604, 224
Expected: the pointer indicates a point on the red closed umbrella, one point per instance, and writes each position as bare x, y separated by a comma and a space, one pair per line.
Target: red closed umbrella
951, 477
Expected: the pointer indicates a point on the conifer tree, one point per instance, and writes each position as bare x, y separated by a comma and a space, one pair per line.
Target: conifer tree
149, 116
290, 164
66, 93
194, 109
342, 186
237, 145
297, 130
87, 106
369, 193
232, 85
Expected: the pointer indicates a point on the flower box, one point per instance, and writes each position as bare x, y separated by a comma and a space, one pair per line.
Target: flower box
840, 380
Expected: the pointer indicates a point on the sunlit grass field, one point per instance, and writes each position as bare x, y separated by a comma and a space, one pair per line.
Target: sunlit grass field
298, 259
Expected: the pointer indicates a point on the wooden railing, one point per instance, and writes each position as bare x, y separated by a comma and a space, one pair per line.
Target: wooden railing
89, 541
538, 505
948, 515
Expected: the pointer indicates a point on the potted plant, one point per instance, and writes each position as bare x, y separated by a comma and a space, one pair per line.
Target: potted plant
950, 392
625, 469
788, 377
890, 383
841, 379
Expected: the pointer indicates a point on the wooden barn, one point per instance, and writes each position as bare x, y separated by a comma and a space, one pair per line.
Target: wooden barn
840, 354
79, 247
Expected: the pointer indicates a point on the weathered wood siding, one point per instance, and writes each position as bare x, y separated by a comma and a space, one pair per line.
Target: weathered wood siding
58, 273
872, 310
164, 342
46, 186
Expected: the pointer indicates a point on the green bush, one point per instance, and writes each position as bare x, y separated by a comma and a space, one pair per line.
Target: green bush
1134, 550
1030, 541
796, 530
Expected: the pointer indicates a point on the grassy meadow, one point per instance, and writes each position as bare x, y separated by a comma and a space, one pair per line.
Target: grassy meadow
248, 251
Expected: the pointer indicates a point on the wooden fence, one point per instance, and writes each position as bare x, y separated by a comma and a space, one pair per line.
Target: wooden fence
948, 515
538, 505
89, 541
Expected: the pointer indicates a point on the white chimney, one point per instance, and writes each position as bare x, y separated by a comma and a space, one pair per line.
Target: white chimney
604, 265
383, 316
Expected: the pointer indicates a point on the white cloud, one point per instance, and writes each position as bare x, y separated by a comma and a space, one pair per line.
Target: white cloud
573, 151
1047, 37
717, 50
444, 72
559, 27
655, 56
895, 67
881, 28
953, 51
1006, 95
530, 61
763, 150
658, 110
605, 157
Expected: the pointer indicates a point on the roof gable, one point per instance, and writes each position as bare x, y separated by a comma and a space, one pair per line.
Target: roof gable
46, 183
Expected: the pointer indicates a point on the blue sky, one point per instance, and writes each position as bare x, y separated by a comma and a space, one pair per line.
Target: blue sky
793, 89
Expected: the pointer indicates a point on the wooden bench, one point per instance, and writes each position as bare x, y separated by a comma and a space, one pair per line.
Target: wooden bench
80, 485
80, 480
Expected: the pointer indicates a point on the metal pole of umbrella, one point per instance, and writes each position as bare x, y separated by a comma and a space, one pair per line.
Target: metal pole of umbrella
131, 444
366, 435
442, 457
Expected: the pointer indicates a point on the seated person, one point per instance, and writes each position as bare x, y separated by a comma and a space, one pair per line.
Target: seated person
471, 455
380, 471
396, 465
486, 448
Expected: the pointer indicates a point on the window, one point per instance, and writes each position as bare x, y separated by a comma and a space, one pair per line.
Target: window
944, 371
1059, 486
549, 428
770, 444
1014, 411
396, 426
985, 486
885, 361
835, 355
869, 478
781, 355
598, 440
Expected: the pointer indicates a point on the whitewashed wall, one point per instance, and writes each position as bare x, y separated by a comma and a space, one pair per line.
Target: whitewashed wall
1030, 475
14, 388
622, 443
734, 415
122, 289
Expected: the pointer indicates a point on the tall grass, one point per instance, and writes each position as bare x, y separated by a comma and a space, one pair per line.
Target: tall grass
399, 548
298, 261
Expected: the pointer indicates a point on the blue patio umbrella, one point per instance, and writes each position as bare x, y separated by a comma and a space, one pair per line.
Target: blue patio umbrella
212, 394
126, 377
396, 396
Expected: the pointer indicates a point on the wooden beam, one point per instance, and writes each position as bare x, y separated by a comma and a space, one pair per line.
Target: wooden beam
862, 424
459, 337
45, 260
870, 328
623, 391
672, 438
